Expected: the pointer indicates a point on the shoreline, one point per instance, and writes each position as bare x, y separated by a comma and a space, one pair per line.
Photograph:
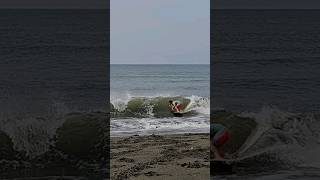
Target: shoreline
157, 134
171, 156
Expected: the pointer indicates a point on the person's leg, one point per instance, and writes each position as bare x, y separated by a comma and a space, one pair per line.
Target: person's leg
219, 140
221, 153
215, 151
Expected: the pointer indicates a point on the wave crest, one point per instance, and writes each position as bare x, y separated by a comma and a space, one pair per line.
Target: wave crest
281, 137
157, 106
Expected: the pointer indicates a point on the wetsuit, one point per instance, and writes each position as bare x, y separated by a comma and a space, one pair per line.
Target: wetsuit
219, 134
178, 106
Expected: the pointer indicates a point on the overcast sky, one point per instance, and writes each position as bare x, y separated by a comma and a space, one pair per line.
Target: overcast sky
265, 4
160, 31
49, 4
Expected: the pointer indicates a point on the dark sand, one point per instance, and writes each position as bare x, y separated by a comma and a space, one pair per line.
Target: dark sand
170, 157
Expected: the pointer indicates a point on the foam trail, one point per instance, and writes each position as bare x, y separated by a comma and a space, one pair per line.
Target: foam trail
145, 126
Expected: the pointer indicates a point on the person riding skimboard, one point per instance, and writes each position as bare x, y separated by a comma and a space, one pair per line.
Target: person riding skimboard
175, 106
219, 135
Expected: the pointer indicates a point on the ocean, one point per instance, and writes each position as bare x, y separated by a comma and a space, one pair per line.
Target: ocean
139, 96
263, 58
53, 71
266, 67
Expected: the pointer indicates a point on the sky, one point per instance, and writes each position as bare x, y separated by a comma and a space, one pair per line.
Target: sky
265, 4
160, 32
54, 4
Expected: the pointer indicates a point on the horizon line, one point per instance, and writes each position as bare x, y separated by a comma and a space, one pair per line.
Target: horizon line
60, 8
265, 8
108, 8
156, 64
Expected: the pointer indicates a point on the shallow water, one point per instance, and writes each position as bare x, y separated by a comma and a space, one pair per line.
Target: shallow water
148, 126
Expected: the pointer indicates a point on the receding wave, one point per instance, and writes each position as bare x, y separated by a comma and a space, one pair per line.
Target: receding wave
157, 106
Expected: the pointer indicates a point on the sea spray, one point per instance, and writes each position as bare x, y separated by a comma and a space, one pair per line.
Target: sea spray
200, 104
281, 140
119, 103
33, 134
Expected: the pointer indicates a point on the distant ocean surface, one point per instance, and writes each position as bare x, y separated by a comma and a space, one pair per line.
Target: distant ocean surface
140, 94
160, 80
262, 58
266, 67
53, 57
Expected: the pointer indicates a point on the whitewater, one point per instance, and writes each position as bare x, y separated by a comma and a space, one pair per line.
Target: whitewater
150, 115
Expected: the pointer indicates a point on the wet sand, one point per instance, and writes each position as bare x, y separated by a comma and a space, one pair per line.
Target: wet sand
159, 157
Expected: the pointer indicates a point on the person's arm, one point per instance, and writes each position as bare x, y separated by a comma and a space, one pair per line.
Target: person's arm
171, 107
176, 108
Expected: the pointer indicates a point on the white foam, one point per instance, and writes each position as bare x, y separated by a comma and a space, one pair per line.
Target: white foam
33, 134
197, 103
200, 104
144, 126
295, 137
120, 101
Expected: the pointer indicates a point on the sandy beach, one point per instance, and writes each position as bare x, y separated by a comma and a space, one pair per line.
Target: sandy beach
157, 157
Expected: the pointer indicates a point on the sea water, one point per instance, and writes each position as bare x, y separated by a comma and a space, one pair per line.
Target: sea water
160, 82
266, 67
52, 63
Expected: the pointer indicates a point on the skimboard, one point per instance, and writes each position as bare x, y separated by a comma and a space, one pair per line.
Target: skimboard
251, 163
221, 167
177, 114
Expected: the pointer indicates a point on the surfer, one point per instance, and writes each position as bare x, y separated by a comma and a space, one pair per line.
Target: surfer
175, 106
219, 135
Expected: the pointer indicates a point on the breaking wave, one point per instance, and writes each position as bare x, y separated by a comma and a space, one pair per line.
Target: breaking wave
37, 142
271, 139
157, 106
